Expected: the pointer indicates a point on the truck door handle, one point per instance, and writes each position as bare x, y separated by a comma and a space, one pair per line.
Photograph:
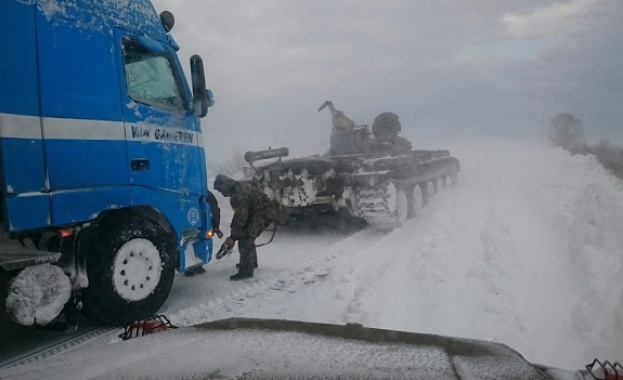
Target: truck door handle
140, 164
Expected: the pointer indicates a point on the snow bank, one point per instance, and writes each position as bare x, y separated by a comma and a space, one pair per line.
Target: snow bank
596, 249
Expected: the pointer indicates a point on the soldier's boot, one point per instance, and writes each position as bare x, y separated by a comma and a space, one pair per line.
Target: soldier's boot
254, 265
244, 272
242, 275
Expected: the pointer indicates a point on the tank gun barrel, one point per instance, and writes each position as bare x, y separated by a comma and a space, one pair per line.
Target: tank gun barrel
251, 157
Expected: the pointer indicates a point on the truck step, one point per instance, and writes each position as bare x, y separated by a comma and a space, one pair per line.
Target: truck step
15, 258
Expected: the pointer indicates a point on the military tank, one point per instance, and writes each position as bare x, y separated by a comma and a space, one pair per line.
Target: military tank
376, 177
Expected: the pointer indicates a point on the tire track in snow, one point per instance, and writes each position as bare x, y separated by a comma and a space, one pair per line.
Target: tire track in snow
359, 281
498, 275
364, 286
396, 291
255, 293
443, 282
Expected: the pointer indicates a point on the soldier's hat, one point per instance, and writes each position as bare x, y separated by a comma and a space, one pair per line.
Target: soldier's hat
223, 184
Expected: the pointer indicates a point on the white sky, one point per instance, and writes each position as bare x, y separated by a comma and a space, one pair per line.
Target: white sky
447, 68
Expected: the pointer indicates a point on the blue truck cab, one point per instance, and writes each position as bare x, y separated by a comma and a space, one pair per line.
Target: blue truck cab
102, 165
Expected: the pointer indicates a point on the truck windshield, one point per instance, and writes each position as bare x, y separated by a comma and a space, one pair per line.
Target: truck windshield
150, 78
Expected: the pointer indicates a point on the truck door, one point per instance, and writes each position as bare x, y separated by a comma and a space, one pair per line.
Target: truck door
21, 143
84, 148
163, 136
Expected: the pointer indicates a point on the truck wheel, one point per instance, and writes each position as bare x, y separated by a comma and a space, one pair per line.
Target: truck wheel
130, 270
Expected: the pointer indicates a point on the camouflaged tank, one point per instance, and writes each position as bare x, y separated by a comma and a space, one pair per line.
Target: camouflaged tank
368, 176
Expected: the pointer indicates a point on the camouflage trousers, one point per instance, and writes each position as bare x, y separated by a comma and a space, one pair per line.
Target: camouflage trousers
257, 223
248, 254
246, 245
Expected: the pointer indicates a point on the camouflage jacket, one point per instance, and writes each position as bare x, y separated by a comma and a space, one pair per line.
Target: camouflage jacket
251, 208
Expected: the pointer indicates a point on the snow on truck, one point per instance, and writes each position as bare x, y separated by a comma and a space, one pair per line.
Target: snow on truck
102, 165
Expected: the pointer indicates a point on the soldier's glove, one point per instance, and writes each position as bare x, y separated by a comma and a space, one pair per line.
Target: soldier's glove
229, 243
218, 233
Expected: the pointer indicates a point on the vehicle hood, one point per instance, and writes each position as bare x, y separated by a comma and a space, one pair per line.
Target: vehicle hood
241, 348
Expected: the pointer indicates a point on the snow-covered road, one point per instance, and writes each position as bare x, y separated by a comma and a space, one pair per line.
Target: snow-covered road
526, 250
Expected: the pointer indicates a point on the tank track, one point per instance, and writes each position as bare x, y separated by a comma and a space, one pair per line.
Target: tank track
377, 205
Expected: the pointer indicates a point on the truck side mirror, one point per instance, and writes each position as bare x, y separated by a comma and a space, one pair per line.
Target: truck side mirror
202, 97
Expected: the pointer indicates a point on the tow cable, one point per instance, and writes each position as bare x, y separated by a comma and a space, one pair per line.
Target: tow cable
224, 250
272, 236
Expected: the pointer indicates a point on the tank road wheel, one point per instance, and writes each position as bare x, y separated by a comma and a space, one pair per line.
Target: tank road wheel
428, 191
409, 191
454, 177
436, 185
418, 200
130, 269
398, 204
384, 207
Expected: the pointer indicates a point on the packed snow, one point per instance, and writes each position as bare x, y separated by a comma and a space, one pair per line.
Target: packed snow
525, 250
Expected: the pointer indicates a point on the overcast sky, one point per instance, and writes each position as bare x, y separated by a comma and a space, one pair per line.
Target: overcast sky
448, 68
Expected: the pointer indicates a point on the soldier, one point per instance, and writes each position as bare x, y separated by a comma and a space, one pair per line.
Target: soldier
385, 129
253, 212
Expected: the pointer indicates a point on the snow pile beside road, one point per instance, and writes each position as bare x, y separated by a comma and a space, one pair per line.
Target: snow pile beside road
596, 248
